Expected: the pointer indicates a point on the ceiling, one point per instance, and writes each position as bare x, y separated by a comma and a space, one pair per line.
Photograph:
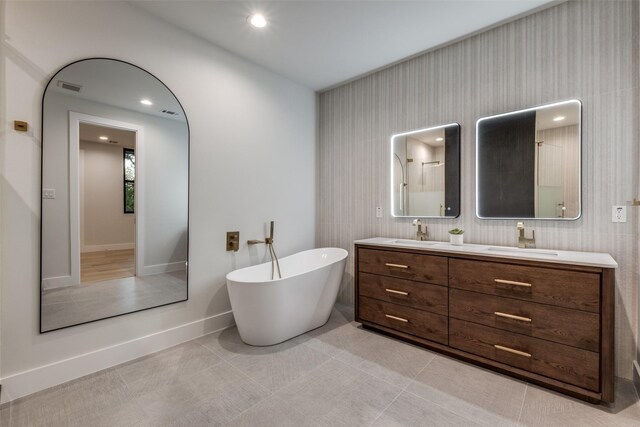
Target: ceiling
323, 43
116, 137
118, 84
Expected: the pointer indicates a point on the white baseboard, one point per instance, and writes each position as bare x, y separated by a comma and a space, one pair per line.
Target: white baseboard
43, 377
58, 282
112, 247
162, 268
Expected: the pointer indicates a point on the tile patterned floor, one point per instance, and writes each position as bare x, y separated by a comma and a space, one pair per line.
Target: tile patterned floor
72, 305
337, 375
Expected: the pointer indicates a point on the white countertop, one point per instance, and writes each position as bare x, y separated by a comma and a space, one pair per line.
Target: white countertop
592, 259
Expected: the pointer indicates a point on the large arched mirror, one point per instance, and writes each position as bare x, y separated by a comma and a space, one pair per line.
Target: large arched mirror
115, 194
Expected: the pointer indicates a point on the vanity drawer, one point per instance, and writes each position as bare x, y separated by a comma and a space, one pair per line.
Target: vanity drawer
564, 288
564, 363
424, 268
422, 296
562, 325
415, 322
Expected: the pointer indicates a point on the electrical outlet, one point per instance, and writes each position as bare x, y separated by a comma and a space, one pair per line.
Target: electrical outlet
619, 214
378, 212
48, 193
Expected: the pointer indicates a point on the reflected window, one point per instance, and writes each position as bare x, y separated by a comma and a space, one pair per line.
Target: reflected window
129, 159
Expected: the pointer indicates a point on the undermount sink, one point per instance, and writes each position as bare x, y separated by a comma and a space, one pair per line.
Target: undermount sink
412, 242
521, 250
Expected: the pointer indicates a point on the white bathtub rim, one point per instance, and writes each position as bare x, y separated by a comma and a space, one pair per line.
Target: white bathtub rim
263, 281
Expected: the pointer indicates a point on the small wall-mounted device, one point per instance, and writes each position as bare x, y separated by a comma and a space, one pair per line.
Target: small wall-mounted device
20, 126
233, 241
48, 193
619, 214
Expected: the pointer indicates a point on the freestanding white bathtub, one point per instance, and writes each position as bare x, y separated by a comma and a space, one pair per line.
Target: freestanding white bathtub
269, 312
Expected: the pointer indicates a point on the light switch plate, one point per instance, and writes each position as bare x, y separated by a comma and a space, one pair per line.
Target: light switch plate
619, 214
378, 212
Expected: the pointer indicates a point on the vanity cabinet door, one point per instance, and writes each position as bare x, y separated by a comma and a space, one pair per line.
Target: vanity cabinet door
562, 325
564, 288
423, 296
424, 268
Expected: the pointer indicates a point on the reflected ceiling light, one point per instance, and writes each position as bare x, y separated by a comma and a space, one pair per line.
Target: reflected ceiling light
146, 102
439, 139
257, 20
559, 118
104, 138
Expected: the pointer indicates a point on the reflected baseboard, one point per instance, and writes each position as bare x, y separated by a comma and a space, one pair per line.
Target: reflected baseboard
162, 268
113, 247
43, 377
58, 282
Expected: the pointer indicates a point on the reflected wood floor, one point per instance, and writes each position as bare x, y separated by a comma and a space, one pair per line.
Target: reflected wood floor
105, 265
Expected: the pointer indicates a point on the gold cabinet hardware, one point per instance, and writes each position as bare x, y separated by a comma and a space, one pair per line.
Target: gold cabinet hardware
512, 316
396, 318
388, 264
393, 291
511, 350
511, 282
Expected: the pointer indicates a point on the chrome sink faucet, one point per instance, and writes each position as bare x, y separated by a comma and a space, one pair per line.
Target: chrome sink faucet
420, 235
524, 242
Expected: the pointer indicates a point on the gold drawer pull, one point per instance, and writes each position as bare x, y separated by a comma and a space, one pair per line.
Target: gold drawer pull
512, 316
396, 318
393, 291
511, 350
388, 264
511, 282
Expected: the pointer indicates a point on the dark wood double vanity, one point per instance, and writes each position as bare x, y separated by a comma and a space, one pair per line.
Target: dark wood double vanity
547, 322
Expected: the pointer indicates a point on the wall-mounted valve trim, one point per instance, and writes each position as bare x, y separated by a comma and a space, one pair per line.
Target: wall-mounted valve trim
233, 241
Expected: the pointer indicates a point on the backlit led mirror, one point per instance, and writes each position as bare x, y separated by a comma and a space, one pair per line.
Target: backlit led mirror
115, 191
425, 172
528, 163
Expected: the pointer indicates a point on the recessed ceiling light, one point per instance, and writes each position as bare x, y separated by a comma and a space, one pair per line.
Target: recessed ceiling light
559, 118
257, 20
146, 102
439, 139
104, 138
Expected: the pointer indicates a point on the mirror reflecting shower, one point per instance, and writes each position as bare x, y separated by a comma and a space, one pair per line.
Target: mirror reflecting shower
115, 190
425, 172
528, 163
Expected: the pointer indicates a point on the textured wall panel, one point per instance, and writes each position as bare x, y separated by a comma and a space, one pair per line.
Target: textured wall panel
581, 49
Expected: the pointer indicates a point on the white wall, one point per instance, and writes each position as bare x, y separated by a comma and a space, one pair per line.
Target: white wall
103, 222
252, 160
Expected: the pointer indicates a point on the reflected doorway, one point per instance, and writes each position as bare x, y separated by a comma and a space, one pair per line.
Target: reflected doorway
107, 203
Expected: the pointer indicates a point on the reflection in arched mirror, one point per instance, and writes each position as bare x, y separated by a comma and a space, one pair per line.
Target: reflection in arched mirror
115, 185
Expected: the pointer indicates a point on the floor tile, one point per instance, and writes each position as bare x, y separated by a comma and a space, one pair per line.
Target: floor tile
390, 360
544, 407
276, 370
410, 410
486, 397
166, 366
273, 412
